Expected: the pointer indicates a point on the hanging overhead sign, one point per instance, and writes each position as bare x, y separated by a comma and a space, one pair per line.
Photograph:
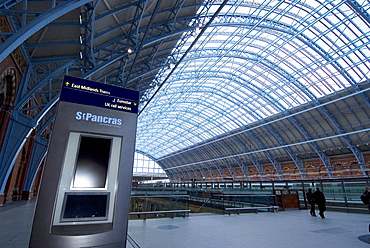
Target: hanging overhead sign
91, 93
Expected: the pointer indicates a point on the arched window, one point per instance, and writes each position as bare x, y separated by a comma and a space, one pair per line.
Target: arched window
310, 169
145, 165
7, 96
7, 91
338, 166
286, 170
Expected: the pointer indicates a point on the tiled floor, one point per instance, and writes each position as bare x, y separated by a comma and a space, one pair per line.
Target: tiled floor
293, 228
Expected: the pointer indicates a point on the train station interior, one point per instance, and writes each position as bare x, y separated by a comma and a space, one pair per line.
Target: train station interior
242, 106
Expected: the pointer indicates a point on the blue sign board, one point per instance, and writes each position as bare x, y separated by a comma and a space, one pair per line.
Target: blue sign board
86, 92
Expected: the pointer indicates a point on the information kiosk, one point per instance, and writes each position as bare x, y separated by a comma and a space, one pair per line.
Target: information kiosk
86, 184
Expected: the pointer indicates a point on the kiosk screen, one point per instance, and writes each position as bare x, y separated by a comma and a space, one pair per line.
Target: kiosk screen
92, 162
82, 207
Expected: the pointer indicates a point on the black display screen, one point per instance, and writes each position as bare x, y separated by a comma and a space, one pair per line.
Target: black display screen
92, 162
85, 206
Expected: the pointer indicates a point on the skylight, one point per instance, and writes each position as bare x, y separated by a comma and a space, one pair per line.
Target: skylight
256, 59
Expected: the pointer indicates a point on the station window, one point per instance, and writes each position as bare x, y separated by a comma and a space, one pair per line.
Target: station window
144, 164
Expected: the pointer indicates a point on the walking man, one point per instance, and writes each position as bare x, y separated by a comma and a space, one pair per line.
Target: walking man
320, 201
365, 197
311, 201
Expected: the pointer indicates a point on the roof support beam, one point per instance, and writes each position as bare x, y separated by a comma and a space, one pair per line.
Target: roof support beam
35, 25
256, 127
359, 10
184, 55
273, 148
324, 158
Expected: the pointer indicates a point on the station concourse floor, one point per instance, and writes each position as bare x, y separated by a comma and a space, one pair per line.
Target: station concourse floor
293, 228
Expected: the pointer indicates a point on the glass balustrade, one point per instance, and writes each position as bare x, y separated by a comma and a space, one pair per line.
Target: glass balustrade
180, 199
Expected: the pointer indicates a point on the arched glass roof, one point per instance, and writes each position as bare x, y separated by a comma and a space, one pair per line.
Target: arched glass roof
255, 59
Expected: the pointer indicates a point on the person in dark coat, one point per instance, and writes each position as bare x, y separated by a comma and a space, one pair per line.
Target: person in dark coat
311, 201
320, 201
367, 198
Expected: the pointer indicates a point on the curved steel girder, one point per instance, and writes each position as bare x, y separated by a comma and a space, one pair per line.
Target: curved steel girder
275, 24
39, 151
168, 25
145, 154
49, 44
356, 152
134, 38
237, 79
235, 101
139, 46
171, 175
189, 48
217, 165
359, 10
259, 168
220, 74
273, 148
88, 18
100, 67
323, 157
122, 40
20, 127
7, 4
267, 65
259, 60
210, 105
32, 27
14, 140
163, 143
23, 99
276, 164
298, 162
228, 76
162, 165
181, 173
232, 168
104, 62
275, 121
299, 35
169, 34
315, 47
305, 142
158, 25
155, 146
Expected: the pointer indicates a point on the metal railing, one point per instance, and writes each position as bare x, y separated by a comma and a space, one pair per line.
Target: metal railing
341, 195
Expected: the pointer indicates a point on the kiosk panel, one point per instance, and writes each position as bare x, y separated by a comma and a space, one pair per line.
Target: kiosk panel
84, 207
84, 196
92, 162
87, 187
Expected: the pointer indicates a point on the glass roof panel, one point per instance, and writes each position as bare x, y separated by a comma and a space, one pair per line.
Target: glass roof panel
265, 56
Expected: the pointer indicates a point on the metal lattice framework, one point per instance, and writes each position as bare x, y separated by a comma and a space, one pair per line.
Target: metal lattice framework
223, 84
262, 85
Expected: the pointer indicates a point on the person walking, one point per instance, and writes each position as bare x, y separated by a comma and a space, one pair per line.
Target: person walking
311, 201
320, 201
365, 197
